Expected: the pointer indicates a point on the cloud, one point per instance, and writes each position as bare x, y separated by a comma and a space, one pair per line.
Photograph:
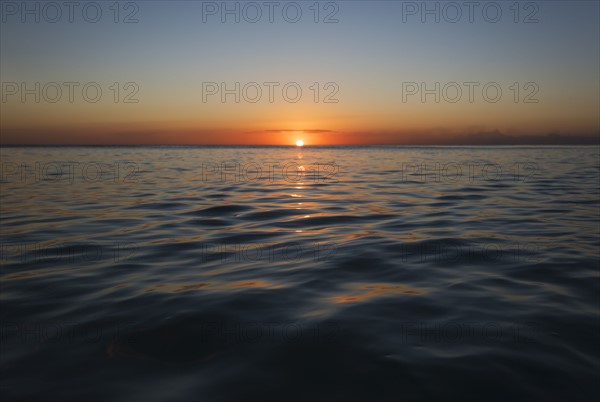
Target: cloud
309, 131
437, 136
444, 137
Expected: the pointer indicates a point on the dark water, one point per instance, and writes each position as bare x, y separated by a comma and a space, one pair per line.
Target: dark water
332, 274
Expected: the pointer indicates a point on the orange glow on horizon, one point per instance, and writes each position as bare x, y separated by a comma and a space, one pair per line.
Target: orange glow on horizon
172, 133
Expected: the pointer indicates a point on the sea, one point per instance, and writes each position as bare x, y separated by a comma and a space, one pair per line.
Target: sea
252, 273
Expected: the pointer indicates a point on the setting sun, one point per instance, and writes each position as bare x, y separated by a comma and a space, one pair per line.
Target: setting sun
299, 143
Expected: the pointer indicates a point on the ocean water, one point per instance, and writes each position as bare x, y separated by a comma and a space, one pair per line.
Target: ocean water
288, 274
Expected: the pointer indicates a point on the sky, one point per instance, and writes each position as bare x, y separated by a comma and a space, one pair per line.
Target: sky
343, 72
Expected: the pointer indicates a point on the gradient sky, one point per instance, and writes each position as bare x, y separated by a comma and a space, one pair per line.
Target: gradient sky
368, 54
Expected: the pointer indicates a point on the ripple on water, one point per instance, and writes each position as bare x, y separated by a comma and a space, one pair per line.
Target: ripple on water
375, 286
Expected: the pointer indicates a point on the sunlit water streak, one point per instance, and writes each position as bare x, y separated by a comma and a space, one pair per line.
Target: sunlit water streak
314, 274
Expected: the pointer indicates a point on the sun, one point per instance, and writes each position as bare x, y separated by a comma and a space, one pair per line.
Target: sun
299, 143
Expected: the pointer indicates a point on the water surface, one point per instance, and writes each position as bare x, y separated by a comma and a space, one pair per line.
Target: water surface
315, 274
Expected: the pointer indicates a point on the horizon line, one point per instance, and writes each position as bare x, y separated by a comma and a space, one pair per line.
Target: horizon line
304, 146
